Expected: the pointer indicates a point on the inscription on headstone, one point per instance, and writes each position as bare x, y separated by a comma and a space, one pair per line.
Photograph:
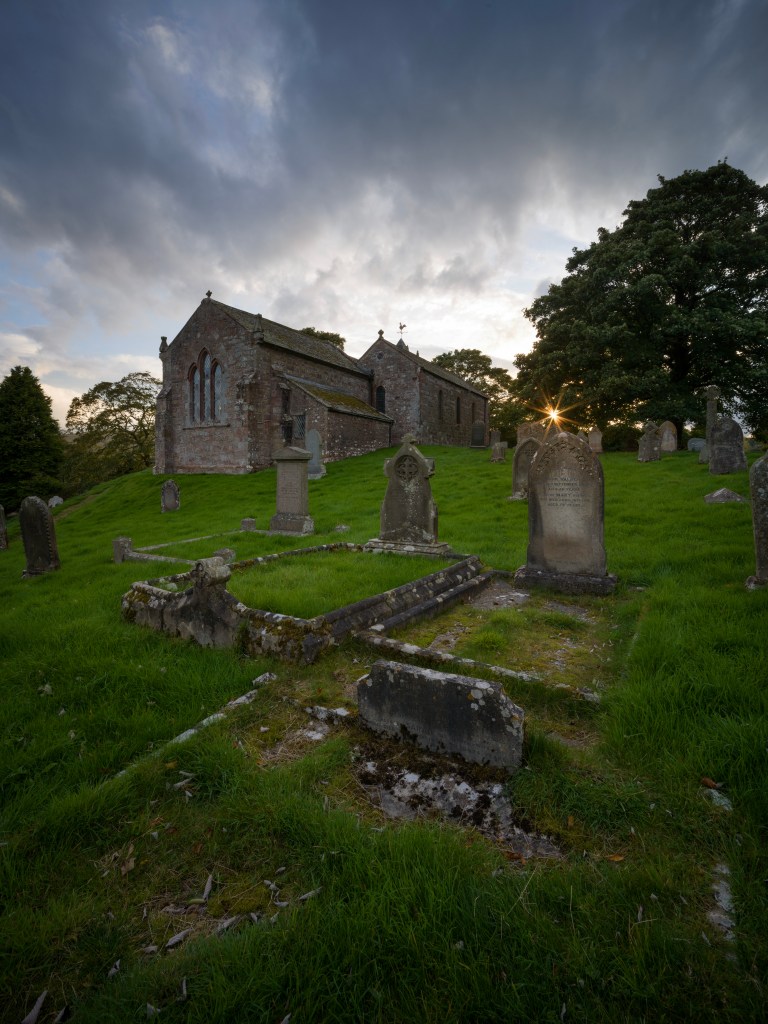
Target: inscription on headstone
170, 499
525, 453
292, 514
758, 486
649, 449
668, 436
726, 447
565, 520
314, 444
39, 536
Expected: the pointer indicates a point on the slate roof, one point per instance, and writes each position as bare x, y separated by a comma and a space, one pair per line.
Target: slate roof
339, 401
432, 368
294, 341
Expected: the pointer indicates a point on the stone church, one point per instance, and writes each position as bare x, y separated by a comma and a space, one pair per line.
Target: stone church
237, 386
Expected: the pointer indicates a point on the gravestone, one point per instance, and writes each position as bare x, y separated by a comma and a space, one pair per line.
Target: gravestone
726, 447
713, 394
408, 512
695, 444
248, 525
495, 437
595, 438
292, 514
170, 499
758, 486
525, 453
121, 549
445, 713
535, 428
499, 452
316, 468
39, 536
3, 530
649, 449
55, 501
583, 437
566, 520
477, 438
668, 436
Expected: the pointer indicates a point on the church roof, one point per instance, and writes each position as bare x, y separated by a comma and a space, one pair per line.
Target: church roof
287, 338
430, 367
338, 401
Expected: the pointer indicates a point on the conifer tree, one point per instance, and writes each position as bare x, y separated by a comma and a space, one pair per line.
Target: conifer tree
30, 442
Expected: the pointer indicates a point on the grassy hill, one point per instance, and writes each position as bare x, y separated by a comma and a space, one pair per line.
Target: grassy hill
420, 921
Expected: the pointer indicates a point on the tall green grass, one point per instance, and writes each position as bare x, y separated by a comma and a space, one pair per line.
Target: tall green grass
416, 922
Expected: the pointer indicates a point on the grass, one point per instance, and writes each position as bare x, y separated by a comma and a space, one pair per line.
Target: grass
412, 922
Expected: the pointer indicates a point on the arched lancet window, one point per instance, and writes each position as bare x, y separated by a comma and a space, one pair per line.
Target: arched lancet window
381, 399
206, 390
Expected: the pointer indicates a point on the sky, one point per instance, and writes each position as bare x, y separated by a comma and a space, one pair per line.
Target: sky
344, 164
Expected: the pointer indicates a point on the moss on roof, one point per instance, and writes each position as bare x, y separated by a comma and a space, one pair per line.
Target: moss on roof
339, 401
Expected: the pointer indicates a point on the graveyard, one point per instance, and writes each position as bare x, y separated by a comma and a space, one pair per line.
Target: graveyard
216, 832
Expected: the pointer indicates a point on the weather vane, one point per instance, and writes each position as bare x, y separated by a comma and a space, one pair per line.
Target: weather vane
402, 328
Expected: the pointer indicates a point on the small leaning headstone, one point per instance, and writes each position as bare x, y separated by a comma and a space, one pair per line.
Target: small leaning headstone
316, 469
3, 530
595, 438
649, 449
170, 498
758, 485
566, 503
726, 447
499, 452
292, 514
39, 536
525, 453
668, 436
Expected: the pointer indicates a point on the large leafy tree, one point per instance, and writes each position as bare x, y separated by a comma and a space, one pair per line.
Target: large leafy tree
111, 430
672, 300
473, 366
30, 443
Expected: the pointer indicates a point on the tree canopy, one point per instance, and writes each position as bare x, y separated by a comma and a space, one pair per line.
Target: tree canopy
672, 300
335, 339
473, 366
112, 430
30, 443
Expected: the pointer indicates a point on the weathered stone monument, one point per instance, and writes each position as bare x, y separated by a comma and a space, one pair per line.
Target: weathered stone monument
713, 395
649, 449
408, 512
292, 514
499, 452
316, 468
444, 713
582, 436
595, 439
534, 428
39, 536
668, 436
726, 447
3, 530
121, 549
525, 453
170, 499
758, 486
477, 437
495, 437
566, 520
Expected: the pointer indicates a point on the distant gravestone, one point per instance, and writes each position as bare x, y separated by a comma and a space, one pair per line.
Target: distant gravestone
525, 453
477, 438
726, 447
408, 512
566, 520
444, 713
649, 449
495, 437
170, 499
713, 395
292, 514
3, 530
758, 486
695, 444
668, 436
248, 525
121, 549
39, 536
595, 438
316, 468
582, 436
535, 429
55, 501
499, 452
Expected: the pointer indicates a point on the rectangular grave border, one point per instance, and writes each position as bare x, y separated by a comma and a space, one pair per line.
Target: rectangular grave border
199, 607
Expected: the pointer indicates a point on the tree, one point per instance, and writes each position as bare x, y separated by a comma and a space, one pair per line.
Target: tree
505, 411
335, 339
112, 430
672, 300
30, 443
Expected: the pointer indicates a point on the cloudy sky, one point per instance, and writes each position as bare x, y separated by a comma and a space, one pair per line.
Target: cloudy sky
346, 164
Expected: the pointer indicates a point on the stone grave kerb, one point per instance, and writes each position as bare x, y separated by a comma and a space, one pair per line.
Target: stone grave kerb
292, 492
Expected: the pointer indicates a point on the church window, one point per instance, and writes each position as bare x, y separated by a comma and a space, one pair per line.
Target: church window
381, 399
206, 390
218, 392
